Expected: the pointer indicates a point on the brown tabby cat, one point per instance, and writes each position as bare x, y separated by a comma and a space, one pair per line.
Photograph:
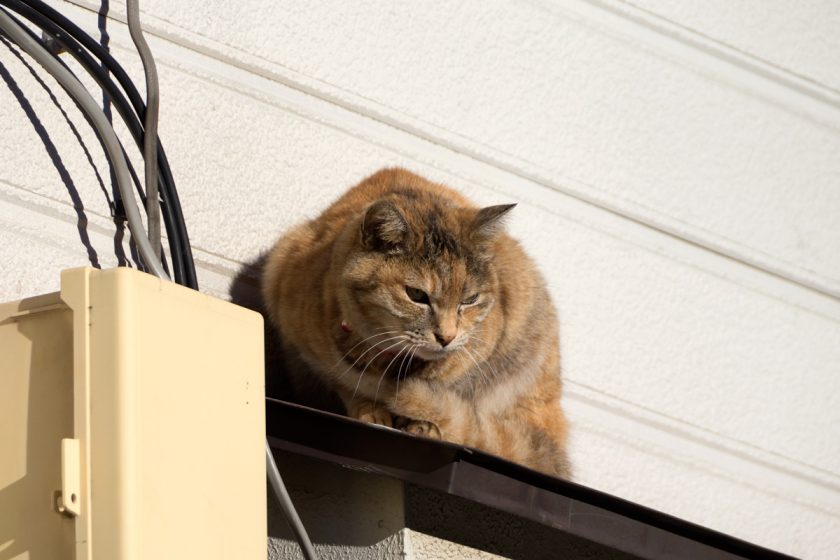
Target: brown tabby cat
421, 313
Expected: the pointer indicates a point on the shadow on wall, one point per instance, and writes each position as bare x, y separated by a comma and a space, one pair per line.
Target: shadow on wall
57, 162
342, 510
286, 376
32, 528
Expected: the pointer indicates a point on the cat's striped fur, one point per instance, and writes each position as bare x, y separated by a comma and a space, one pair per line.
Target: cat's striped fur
420, 312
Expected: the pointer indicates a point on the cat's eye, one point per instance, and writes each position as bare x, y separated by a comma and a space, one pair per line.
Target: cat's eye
470, 300
417, 295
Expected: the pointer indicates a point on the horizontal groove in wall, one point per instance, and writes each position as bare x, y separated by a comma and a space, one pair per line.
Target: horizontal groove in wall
670, 37
749, 76
396, 139
724, 49
591, 409
308, 98
215, 272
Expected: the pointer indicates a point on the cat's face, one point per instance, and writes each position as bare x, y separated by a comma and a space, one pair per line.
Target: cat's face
421, 280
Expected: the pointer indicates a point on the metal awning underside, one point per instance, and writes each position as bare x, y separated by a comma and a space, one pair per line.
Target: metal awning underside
494, 482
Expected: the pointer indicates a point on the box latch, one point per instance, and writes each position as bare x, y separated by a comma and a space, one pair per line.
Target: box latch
69, 503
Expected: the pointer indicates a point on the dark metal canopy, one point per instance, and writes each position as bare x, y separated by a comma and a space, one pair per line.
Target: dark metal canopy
497, 483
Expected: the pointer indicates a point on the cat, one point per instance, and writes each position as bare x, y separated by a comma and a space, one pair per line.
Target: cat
420, 312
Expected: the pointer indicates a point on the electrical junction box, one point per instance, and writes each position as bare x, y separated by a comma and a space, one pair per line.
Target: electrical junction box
132, 423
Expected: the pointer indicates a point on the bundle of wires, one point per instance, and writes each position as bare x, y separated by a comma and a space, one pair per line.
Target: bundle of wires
141, 120
99, 63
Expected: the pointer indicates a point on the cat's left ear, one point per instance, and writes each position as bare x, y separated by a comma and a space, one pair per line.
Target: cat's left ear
383, 227
489, 221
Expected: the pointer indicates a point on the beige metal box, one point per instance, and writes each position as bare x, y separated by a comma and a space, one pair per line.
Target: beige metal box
131, 423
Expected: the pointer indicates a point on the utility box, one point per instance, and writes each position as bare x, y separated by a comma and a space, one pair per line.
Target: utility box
132, 423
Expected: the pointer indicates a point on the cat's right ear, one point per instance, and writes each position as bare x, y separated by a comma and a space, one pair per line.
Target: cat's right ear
489, 221
384, 228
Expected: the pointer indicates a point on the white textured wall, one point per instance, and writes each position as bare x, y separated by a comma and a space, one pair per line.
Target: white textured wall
678, 177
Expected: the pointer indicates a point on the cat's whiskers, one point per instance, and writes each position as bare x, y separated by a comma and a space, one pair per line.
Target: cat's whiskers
359, 344
481, 329
376, 345
383, 329
481, 373
473, 336
465, 364
402, 364
385, 371
362, 374
486, 361
407, 369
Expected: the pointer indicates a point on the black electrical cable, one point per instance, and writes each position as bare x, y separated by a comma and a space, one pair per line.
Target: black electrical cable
168, 192
134, 179
113, 92
113, 149
72, 38
123, 108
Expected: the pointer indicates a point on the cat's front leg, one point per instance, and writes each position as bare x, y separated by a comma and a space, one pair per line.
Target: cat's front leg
366, 410
423, 410
417, 427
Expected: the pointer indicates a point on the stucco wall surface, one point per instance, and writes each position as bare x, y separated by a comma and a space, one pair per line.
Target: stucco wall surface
800, 38
675, 170
683, 141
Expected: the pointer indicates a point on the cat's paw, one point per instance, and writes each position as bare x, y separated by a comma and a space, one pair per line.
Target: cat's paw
420, 428
375, 415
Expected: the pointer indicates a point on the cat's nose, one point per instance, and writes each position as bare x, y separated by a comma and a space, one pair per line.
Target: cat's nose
444, 339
